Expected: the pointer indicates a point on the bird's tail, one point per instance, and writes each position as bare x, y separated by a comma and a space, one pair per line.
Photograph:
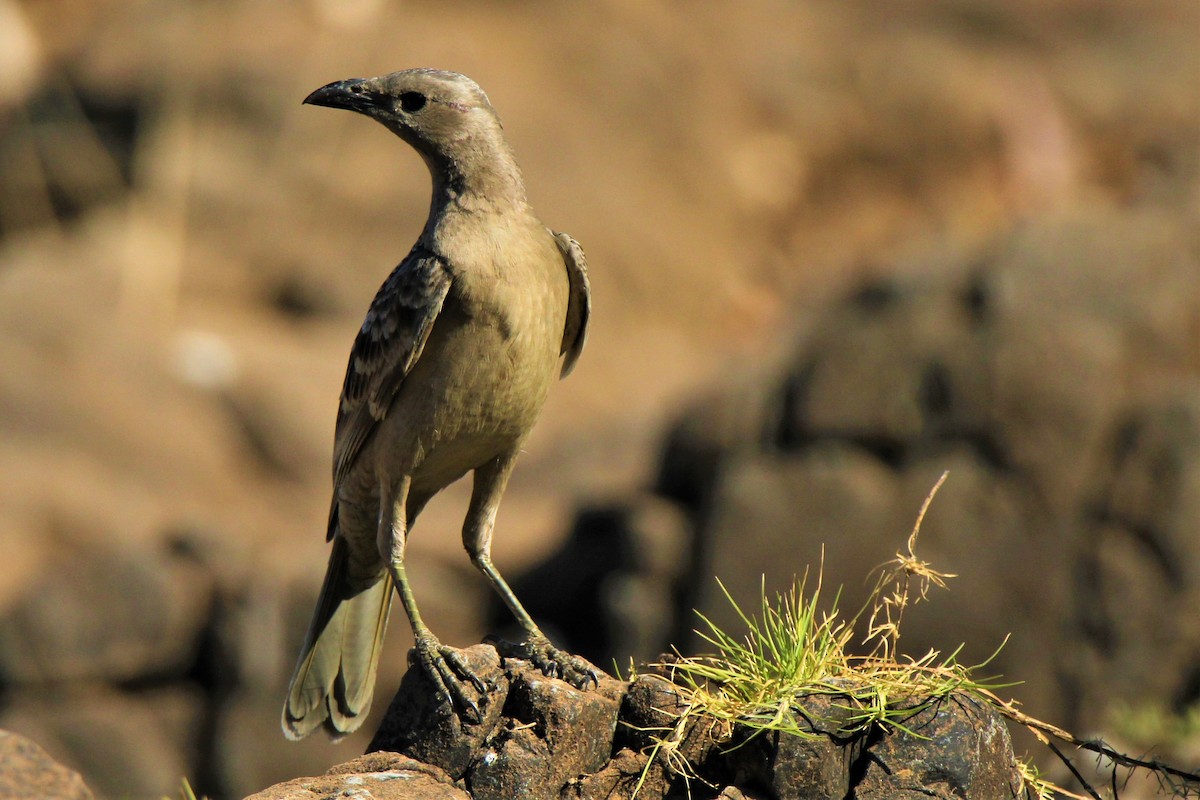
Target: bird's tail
335, 676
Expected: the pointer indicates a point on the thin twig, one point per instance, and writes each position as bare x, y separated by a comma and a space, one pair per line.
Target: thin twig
1043, 730
1063, 758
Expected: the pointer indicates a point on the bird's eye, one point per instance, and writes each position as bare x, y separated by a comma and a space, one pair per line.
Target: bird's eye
412, 101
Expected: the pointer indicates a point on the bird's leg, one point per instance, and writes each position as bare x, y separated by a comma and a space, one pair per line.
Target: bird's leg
444, 665
490, 481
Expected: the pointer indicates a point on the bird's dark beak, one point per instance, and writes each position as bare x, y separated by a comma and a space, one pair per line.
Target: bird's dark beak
355, 94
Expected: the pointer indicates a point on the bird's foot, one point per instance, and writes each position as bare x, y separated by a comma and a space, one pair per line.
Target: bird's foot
552, 662
446, 667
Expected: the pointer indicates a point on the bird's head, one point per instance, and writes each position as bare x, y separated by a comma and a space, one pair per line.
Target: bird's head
433, 110
447, 118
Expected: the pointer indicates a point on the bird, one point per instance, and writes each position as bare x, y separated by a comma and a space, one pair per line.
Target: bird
447, 375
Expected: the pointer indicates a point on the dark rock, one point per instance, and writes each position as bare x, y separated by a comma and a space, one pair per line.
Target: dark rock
518, 764
382, 776
652, 712
620, 778
813, 767
553, 733
419, 725
28, 773
955, 748
651, 707
537, 733
558, 711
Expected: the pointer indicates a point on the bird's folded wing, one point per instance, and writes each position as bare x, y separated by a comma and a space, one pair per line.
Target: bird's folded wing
385, 350
579, 303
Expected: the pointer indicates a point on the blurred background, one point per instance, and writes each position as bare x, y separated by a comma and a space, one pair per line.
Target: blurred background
836, 248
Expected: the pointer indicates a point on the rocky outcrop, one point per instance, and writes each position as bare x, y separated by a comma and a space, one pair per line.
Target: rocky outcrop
28, 773
541, 739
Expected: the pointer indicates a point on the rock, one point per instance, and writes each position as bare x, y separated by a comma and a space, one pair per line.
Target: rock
554, 742
955, 748
619, 779
537, 733
380, 776
651, 712
28, 773
650, 709
419, 725
555, 733
734, 793
816, 767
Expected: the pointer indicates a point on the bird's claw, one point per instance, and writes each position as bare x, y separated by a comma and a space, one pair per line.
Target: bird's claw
446, 667
550, 661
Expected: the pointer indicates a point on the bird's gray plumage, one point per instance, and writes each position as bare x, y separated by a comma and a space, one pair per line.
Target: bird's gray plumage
446, 376
390, 341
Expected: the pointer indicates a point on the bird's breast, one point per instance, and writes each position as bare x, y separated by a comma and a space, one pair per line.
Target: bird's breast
483, 376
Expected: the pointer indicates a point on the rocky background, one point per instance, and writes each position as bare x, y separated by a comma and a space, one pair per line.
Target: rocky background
836, 248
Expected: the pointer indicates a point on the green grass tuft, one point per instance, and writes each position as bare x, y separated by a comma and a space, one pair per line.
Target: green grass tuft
792, 648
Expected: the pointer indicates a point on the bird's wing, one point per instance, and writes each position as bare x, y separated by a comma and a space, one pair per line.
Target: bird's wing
385, 350
579, 303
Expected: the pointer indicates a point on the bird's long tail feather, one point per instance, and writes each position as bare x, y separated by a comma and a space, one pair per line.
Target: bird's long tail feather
335, 676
